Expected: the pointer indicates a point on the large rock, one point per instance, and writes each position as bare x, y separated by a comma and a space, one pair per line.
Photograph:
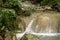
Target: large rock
30, 37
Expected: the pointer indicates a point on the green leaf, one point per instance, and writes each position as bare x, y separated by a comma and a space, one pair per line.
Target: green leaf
44, 2
8, 11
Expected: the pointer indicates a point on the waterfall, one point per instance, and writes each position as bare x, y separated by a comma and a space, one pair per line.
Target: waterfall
28, 30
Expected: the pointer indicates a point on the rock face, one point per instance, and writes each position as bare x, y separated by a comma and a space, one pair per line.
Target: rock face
47, 23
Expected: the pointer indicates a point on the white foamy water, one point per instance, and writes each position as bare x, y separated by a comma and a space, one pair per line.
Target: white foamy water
45, 34
28, 29
19, 35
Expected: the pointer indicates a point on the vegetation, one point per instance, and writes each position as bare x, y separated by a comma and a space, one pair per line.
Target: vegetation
8, 11
55, 4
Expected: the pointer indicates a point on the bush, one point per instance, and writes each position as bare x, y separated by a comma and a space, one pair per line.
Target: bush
8, 10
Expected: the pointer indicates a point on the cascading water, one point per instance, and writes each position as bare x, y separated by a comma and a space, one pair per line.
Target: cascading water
46, 23
20, 35
29, 30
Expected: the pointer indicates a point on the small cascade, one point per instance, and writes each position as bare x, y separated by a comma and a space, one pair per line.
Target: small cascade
28, 30
43, 25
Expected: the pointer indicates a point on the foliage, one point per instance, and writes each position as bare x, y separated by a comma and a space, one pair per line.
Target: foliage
46, 2
54, 4
8, 10
58, 6
8, 14
14, 3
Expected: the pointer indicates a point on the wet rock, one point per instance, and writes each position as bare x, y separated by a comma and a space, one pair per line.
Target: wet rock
20, 24
26, 13
30, 37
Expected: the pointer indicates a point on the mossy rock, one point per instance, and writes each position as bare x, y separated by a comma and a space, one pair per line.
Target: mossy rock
30, 37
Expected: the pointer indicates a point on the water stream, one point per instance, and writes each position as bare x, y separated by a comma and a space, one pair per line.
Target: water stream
30, 31
46, 25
